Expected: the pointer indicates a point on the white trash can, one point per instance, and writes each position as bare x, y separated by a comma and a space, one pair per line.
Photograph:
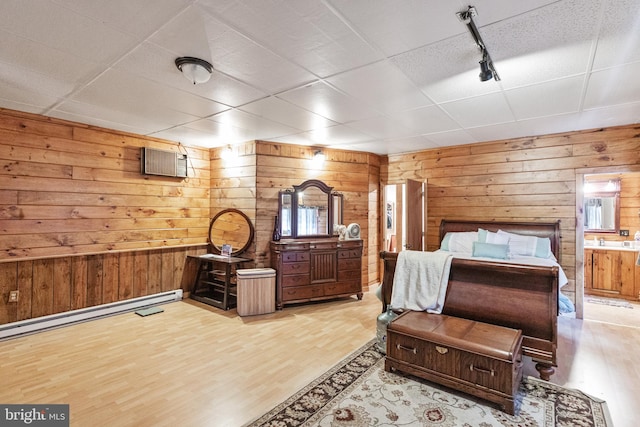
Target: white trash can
256, 291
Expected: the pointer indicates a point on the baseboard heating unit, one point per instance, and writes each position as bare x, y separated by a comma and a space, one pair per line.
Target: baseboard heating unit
39, 324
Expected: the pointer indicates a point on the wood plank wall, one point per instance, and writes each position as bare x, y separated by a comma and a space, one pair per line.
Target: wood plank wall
526, 179
281, 166
233, 185
80, 225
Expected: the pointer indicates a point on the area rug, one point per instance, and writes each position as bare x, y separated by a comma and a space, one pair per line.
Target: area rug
610, 301
358, 392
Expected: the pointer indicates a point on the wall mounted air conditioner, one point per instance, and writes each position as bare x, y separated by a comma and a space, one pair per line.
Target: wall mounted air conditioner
165, 163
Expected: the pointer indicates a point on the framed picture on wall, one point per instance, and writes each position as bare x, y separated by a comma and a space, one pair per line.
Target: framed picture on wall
389, 216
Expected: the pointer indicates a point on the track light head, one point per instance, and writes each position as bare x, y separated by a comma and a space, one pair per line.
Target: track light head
485, 71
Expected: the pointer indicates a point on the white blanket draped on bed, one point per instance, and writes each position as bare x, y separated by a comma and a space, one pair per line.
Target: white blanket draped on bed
420, 281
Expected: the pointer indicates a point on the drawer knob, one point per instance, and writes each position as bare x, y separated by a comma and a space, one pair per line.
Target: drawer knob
411, 349
483, 371
442, 350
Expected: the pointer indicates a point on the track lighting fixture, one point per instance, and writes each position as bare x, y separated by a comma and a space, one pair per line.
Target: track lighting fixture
487, 70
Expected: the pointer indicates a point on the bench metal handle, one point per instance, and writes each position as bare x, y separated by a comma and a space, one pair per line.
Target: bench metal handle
411, 349
482, 370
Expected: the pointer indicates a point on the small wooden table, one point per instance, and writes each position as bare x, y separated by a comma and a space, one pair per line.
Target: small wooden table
215, 282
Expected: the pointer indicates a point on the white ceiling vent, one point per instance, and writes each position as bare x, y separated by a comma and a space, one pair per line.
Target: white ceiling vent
165, 163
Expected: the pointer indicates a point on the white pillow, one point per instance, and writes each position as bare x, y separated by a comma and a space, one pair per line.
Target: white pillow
459, 241
497, 238
520, 245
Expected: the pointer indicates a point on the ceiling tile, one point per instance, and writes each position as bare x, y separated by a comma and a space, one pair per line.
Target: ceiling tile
194, 32
615, 115
253, 126
326, 101
337, 135
480, 111
615, 47
134, 94
382, 86
429, 119
450, 138
497, 132
140, 17
549, 125
619, 85
546, 99
306, 32
280, 111
58, 28
154, 63
446, 71
381, 127
543, 44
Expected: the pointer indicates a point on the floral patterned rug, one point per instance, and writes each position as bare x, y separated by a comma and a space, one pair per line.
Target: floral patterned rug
359, 392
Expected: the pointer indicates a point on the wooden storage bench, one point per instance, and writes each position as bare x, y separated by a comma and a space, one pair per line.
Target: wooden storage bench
477, 358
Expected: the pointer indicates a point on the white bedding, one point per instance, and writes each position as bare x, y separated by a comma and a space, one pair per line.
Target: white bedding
528, 260
420, 281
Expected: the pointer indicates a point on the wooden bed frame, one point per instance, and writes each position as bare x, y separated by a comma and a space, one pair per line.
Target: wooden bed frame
514, 295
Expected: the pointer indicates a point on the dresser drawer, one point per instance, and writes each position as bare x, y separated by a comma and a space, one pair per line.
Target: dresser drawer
349, 264
295, 268
343, 288
295, 280
295, 257
301, 293
349, 274
350, 253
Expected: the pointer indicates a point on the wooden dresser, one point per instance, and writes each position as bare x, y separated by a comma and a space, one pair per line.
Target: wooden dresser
310, 270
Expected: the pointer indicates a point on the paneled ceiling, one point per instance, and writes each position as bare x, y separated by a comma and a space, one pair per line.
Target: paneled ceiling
382, 76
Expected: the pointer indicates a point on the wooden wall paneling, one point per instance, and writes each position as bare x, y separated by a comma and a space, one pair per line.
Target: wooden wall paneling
95, 274
233, 185
167, 279
62, 280
79, 282
139, 278
126, 275
94, 198
9, 282
111, 278
154, 272
42, 291
25, 286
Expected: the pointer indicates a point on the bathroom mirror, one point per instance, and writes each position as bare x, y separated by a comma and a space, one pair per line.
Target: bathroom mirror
307, 210
230, 227
602, 206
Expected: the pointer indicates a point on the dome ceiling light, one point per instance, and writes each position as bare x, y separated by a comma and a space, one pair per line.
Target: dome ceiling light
195, 70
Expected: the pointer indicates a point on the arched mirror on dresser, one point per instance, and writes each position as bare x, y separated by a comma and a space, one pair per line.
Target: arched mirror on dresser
310, 209
311, 261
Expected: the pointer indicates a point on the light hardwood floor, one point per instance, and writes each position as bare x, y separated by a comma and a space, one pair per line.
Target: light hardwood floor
194, 365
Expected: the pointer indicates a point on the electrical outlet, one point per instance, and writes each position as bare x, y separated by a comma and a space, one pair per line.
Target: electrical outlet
624, 232
13, 296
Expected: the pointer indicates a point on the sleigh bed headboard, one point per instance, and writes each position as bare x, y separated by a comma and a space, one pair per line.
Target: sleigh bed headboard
549, 230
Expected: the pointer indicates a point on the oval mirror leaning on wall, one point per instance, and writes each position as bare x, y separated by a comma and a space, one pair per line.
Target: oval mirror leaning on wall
231, 227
